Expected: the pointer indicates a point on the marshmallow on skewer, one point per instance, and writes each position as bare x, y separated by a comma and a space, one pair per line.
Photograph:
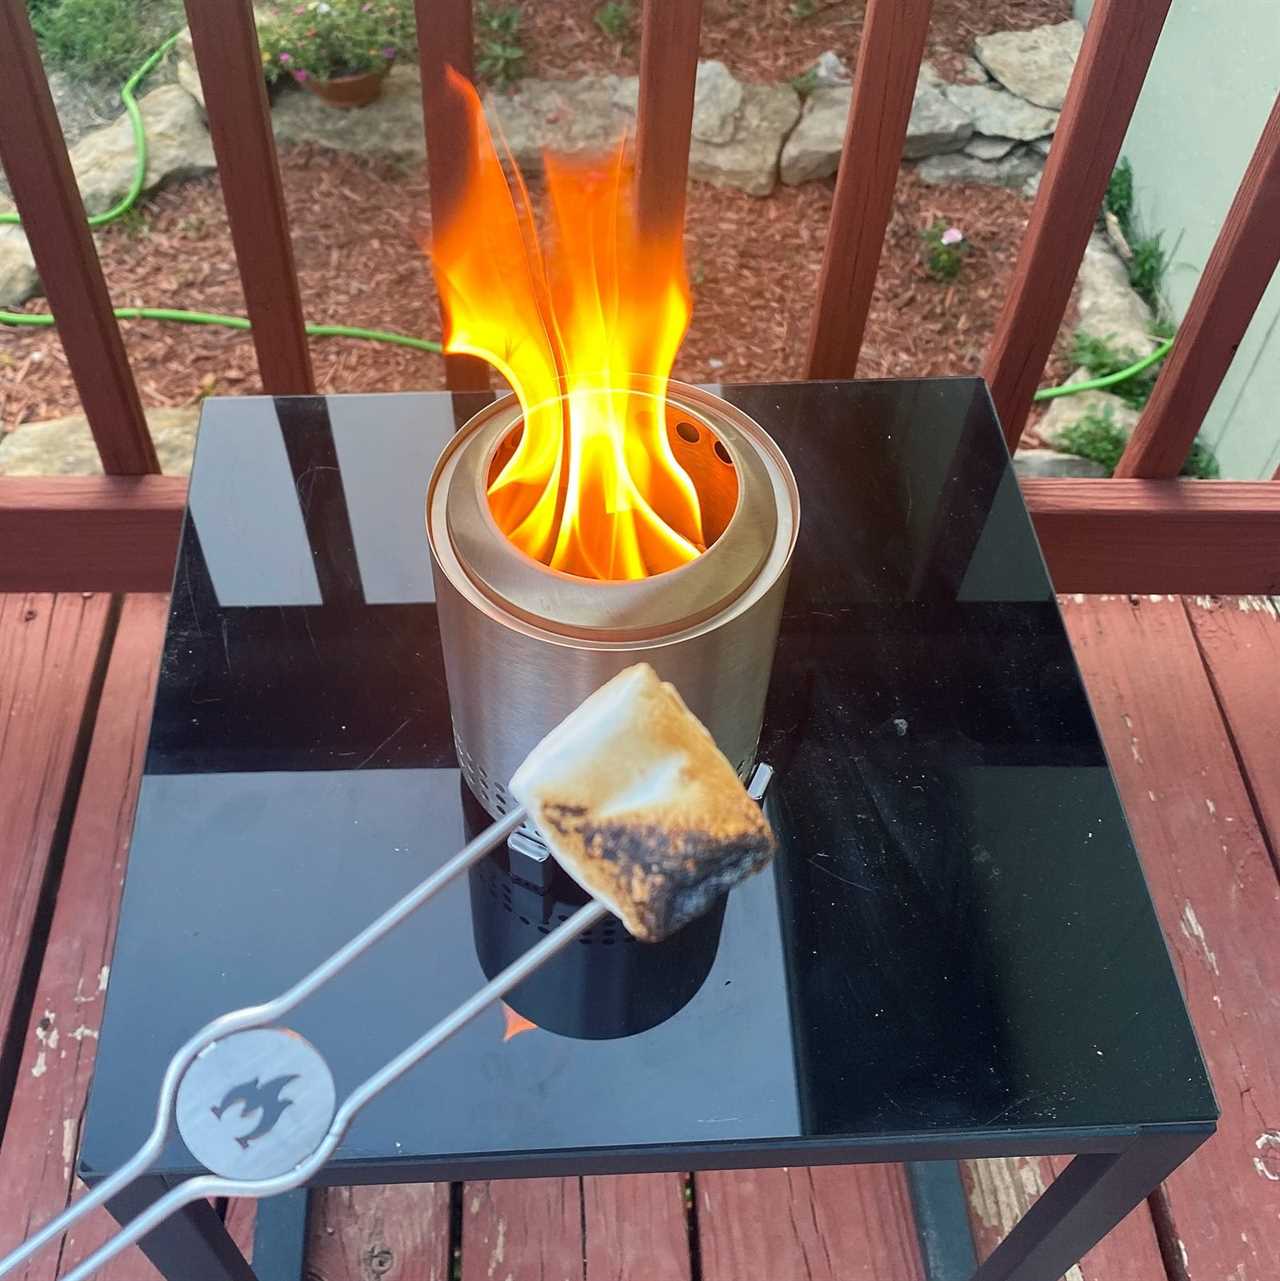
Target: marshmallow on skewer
640, 806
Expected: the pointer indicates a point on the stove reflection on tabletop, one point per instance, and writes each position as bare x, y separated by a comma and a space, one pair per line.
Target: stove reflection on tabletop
601, 987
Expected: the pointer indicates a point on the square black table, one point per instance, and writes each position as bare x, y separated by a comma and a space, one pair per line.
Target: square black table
954, 954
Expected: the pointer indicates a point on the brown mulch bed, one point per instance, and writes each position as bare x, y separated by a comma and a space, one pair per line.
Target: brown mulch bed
759, 39
356, 224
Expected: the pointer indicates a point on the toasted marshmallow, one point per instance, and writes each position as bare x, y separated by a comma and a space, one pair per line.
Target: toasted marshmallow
640, 806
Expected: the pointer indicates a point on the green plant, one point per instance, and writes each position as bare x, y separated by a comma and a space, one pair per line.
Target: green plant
1098, 436
1101, 358
1147, 258
1119, 197
944, 250
325, 39
499, 53
806, 82
101, 39
616, 18
803, 9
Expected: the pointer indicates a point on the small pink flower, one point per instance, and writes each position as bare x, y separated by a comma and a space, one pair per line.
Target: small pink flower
366, 8
389, 52
286, 59
302, 8
300, 75
952, 236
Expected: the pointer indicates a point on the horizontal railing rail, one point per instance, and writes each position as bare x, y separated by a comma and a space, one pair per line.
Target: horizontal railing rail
1135, 534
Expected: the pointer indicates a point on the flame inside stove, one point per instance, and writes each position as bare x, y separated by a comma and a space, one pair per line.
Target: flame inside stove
592, 487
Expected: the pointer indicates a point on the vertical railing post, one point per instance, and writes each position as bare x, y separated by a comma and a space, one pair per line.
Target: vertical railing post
884, 86
445, 40
664, 121
44, 189
1236, 276
225, 42
1118, 45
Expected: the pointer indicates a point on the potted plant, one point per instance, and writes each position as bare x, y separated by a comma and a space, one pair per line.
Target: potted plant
340, 50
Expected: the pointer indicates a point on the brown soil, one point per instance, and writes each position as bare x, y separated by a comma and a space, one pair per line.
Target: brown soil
753, 264
758, 39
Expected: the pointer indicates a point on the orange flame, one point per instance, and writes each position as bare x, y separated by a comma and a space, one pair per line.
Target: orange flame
593, 487
515, 1023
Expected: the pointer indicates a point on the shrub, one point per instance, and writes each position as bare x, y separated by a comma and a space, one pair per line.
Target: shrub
325, 39
1148, 260
1101, 359
102, 39
499, 53
944, 250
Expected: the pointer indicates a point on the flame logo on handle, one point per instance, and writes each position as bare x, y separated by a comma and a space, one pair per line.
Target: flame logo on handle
255, 1096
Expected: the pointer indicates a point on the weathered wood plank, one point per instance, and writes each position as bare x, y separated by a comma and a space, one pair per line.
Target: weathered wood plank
1231, 286
90, 533
1239, 640
225, 42
636, 1228
664, 118
829, 1223
1001, 1191
42, 1134
522, 1229
1218, 899
391, 1233
445, 40
884, 85
1118, 44
44, 189
49, 651
1189, 536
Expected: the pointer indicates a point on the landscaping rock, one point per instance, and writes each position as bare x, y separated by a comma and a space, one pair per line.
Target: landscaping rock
1011, 171
389, 126
937, 125
1065, 411
177, 147
185, 66
19, 279
749, 161
830, 71
970, 71
1048, 462
1035, 64
1109, 308
717, 99
988, 148
1001, 115
813, 148
64, 446
1042, 145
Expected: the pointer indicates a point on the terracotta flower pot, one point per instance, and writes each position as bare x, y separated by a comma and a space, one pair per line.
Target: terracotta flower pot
349, 91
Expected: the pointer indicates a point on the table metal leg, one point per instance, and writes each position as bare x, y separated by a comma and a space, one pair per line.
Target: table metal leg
191, 1245
942, 1220
1082, 1205
280, 1237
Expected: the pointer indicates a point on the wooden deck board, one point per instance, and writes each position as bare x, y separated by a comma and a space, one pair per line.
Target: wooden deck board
49, 650
523, 1229
829, 1223
388, 1233
1239, 639
636, 1228
42, 1134
1218, 898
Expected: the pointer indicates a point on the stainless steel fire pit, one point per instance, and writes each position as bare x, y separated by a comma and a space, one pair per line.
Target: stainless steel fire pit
524, 644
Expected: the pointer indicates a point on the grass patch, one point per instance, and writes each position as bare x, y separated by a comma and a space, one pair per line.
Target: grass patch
1098, 436
617, 19
1146, 266
102, 40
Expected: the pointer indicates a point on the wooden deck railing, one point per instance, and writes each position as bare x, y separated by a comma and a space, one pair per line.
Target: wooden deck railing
1143, 532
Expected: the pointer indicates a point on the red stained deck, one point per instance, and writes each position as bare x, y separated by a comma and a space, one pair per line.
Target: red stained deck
1187, 692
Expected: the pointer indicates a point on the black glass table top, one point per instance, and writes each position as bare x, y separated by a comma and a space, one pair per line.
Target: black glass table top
955, 942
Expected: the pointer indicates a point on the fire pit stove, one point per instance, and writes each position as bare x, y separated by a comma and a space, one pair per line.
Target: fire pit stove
524, 644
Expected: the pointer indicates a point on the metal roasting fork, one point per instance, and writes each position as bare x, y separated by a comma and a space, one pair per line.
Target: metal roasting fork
243, 1058
227, 1061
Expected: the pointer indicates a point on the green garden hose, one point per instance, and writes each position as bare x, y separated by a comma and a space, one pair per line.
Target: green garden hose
44, 321
130, 197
